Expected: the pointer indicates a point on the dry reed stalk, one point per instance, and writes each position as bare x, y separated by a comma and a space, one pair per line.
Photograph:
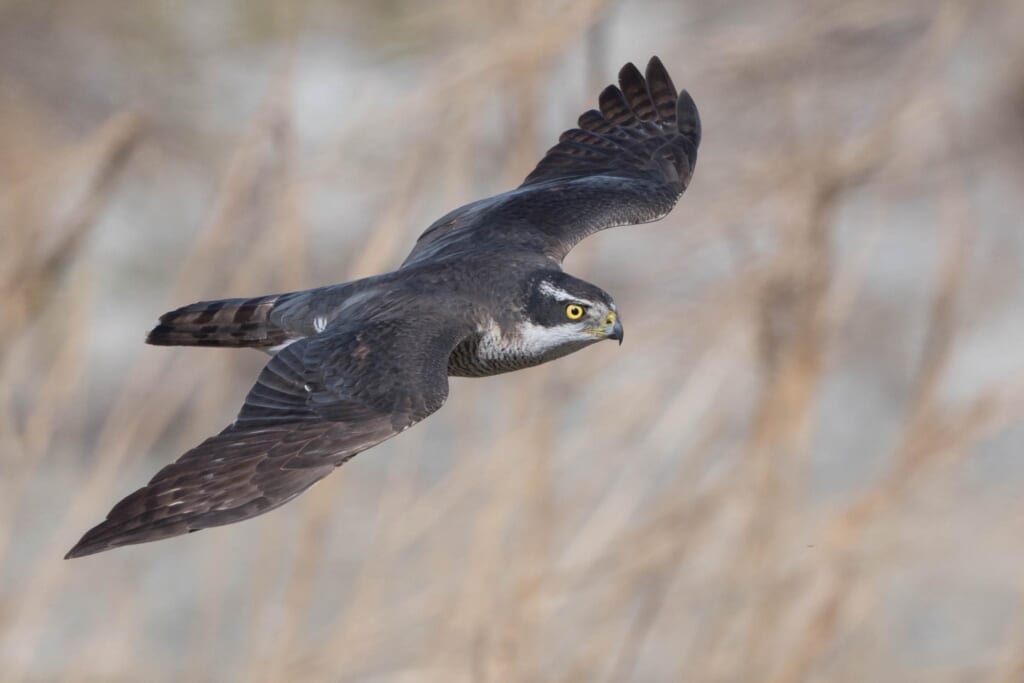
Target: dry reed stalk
588, 542
33, 267
125, 421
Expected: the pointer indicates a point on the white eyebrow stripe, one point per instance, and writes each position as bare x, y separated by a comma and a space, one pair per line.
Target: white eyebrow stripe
560, 294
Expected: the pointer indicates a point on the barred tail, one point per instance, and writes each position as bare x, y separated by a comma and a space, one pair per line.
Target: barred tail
227, 322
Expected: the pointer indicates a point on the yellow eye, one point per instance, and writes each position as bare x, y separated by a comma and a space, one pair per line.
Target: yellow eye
574, 311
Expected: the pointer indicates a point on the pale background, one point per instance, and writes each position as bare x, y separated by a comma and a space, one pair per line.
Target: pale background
805, 463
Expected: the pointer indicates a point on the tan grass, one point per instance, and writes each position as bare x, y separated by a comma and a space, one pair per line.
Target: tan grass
670, 510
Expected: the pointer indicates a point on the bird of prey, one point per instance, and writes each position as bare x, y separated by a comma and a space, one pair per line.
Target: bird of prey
481, 293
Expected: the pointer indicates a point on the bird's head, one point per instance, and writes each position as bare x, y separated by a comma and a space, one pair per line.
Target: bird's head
567, 313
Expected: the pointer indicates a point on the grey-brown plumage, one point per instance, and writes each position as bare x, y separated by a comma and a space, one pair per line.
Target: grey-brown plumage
481, 293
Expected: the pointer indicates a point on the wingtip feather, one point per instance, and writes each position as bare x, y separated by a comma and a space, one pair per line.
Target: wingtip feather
629, 73
86, 547
95, 540
636, 94
688, 118
661, 90
614, 107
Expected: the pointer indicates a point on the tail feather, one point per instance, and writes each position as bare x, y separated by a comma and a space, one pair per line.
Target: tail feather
226, 322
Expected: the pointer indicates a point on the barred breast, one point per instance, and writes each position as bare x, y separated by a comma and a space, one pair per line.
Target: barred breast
472, 358
492, 352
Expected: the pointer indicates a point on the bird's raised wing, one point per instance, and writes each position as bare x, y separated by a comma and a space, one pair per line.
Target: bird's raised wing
316, 404
627, 163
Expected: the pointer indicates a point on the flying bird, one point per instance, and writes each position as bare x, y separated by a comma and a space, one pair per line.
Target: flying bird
482, 293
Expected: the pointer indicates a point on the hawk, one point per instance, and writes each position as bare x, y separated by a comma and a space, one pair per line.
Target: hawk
481, 293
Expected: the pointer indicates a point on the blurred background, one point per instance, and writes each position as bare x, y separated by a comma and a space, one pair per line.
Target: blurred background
804, 464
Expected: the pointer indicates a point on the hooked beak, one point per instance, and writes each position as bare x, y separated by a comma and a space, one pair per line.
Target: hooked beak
615, 331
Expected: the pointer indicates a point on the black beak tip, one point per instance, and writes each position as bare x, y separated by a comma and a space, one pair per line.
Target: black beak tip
617, 333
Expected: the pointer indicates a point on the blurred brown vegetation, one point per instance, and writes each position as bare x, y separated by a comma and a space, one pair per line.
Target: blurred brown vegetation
804, 464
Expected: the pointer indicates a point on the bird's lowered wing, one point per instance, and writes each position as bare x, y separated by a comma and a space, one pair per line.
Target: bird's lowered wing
625, 164
316, 404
